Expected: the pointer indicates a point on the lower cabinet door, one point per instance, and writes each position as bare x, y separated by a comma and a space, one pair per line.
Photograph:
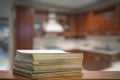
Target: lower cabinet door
96, 61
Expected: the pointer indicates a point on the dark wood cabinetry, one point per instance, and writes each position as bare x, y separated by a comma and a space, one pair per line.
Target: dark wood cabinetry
100, 23
73, 21
117, 19
24, 27
90, 24
96, 61
70, 25
106, 22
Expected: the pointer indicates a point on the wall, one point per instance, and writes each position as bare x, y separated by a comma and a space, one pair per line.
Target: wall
90, 42
4, 8
101, 41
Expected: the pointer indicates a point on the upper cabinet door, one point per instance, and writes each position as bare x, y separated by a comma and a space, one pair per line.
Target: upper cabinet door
117, 19
81, 24
90, 28
73, 25
104, 22
91, 24
100, 23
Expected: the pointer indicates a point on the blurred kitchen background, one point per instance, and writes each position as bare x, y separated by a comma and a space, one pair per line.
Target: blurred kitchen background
91, 27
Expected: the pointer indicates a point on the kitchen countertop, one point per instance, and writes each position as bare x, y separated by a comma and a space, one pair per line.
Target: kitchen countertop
87, 75
90, 49
101, 51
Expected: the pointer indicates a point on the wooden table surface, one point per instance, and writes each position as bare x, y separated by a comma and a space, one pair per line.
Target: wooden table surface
87, 75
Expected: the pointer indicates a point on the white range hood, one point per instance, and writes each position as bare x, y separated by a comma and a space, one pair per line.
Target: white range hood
52, 25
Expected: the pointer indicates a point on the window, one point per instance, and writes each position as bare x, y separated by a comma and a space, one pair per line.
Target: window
37, 28
4, 44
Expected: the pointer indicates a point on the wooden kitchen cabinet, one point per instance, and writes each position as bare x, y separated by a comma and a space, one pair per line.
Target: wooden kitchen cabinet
91, 24
93, 61
96, 61
24, 27
101, 24
81, 23
117, 20
113, 21
90, 28
73, 24
106, 22
86, 24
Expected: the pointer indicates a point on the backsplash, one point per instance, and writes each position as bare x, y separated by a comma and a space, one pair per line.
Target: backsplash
90, 42
103, 41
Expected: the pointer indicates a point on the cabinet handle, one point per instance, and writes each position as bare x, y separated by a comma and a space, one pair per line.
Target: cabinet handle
97, 59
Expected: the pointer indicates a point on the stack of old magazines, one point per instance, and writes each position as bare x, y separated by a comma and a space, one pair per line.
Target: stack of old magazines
47, 63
